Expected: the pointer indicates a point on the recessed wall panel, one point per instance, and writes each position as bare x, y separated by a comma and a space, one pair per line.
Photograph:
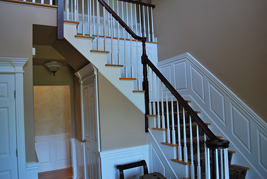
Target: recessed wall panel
166, 71
241, 128
43, 151
157, 164
217, 103
63, 150
5, 175
262, 150
180, 75
197, 83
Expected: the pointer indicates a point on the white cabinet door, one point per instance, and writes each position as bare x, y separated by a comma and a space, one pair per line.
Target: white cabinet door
8, 156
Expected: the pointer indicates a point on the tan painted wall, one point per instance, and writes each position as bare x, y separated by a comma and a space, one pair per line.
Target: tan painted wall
51, 110
16, 41
121, 123
228, 37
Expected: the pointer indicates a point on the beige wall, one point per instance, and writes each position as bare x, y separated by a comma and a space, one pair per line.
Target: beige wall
121, 123
51, 110
228, 37
16, 41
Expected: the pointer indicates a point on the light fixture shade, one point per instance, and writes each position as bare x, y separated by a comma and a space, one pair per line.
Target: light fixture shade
53, 66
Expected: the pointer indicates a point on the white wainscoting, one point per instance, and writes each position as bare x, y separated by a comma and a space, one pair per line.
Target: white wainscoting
110, 159
32, 170
77, 159
230, 117
53, 152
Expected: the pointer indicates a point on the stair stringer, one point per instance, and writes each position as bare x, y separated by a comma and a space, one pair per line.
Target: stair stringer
99, 60
164, 154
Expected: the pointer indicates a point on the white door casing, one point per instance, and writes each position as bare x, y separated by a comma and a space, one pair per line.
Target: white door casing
12, 134
90, 121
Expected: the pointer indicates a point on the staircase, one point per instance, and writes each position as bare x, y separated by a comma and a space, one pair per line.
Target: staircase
199, 162
181, 135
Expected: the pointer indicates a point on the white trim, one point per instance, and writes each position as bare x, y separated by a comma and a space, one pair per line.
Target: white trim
219, 84
111, 158
32, 170
74, 158
166, 160
15, 65
227, 123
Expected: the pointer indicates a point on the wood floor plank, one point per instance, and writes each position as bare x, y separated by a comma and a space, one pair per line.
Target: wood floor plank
65, 173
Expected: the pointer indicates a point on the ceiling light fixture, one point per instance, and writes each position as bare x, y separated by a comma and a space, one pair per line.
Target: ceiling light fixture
53, 66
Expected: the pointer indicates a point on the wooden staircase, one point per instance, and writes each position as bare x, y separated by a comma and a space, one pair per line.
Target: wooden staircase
235, 171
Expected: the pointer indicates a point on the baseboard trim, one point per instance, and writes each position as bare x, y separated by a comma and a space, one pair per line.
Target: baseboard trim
32, 170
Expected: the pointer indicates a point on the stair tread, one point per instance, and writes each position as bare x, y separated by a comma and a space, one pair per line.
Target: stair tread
181, 161
113, 65
74, 22
99, 51
127, 78
82, 36
160, 129
139, 91
233, 166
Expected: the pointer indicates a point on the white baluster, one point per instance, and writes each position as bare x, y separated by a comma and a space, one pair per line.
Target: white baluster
119, 53
157, 89
173, 127
198, 155
162, 114
221, 155
90, 18
75, 10
152, 25
217, 164
125, 50
51, 2
191, 150
208, 164
167, 116
83, 33
144, 18
42, 1
127, 17
67, 9
137, 54
148, 25
226, 163
140, 20
149, 92
153, 94
72, 9
93, 16
207, 159
111, 27
131, 40
98, 20
105, 35
185, 147
179, 133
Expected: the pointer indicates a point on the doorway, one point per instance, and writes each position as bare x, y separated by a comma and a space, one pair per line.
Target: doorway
52, 121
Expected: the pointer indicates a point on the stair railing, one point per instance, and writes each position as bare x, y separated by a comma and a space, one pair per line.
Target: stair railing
213, 142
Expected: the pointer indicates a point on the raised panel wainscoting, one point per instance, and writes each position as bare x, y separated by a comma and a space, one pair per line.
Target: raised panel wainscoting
53, 152
230, 117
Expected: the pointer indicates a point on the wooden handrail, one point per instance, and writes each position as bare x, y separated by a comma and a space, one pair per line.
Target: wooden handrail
122, 23
139, 3
182, 101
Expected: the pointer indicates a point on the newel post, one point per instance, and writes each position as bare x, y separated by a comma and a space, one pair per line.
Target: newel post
145, 82
60, 19
213, 145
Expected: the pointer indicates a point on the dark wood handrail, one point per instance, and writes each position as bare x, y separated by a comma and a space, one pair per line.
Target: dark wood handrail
139, 3
122, 23
182, 102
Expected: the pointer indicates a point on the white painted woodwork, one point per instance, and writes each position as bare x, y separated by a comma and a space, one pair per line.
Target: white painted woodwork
8, 147
90, 121
12, 66
53, 152
229, 115
109, 160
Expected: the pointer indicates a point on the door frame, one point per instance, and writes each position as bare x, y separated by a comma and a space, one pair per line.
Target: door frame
87, 72
10, 65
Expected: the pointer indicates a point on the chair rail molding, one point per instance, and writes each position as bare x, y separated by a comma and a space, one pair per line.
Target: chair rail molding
222, 108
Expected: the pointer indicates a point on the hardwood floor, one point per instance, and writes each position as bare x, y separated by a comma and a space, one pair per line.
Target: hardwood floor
65, 173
